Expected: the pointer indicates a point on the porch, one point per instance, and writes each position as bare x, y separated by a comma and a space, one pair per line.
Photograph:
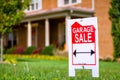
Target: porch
42, 28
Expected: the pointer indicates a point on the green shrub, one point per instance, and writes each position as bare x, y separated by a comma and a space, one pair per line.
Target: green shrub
10, 50
30, 49
48, 50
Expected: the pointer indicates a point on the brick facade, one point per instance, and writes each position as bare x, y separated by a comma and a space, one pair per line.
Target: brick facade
84, 8
104, 25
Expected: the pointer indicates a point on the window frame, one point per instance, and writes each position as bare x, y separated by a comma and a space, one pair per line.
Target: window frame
34, 6
61, 3
12, 38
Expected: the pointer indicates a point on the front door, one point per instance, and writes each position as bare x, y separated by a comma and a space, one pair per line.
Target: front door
61, 34
34, 36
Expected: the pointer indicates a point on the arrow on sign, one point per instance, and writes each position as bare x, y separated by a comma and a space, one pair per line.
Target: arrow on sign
91, 52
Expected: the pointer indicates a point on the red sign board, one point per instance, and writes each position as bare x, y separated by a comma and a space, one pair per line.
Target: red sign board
83, 34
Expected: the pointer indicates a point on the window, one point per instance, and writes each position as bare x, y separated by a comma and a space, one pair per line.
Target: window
35, 5
12, 39
32, 6
67, 2
74, 1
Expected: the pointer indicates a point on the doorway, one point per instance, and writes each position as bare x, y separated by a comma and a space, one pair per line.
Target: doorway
61, 34
34, 36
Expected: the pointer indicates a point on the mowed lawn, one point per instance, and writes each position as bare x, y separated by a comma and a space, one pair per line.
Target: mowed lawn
40, 69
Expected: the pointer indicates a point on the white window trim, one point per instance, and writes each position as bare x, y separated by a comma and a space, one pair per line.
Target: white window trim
61, 3
39, 6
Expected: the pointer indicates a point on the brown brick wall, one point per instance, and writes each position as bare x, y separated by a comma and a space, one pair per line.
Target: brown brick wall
49, 4
104, 26
41, 34
85, 4
54, 32
22, 36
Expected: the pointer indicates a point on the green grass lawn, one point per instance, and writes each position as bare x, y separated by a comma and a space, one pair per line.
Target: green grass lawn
40, 69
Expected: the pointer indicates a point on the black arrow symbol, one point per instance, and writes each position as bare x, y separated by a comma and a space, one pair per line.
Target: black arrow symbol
91, 52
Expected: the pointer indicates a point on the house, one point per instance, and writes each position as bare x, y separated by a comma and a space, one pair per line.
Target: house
45, 23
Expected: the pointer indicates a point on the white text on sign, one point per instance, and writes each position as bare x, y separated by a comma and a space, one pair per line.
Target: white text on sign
83, 34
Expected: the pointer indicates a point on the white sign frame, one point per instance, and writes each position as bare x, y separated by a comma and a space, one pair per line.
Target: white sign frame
93, 65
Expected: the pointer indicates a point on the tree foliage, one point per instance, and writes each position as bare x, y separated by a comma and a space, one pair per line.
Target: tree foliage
11, 12
114, 13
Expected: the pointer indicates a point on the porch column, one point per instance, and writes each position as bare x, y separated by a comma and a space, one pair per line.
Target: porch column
66, 28
29, 34
93, 5
47, 40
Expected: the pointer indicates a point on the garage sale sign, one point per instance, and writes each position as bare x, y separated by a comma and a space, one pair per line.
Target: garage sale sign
83, 45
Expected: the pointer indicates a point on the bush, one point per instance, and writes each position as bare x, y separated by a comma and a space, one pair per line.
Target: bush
30, 49
38, 50
48, 50
19, 50
10, 50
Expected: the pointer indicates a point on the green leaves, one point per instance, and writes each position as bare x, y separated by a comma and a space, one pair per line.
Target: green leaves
114, 13
11, 13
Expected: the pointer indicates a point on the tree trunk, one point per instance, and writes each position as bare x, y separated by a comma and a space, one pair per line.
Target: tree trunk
1, 41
